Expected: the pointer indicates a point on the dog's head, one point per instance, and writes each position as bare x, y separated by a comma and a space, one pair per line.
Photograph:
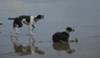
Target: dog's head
39, 17
69, 29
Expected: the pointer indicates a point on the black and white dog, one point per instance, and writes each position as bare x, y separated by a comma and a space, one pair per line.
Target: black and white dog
62, 36
25, 19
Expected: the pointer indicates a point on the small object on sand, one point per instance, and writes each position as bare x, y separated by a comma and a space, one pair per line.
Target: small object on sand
37, 50
1, 24
70, 51
76, 40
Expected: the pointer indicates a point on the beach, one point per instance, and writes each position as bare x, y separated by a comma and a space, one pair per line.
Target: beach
83, 16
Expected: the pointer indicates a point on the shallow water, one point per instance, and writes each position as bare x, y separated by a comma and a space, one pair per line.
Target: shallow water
81, 15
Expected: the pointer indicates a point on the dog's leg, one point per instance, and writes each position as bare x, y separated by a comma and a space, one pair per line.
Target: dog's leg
30, 29
14, 39
31, 45
17, 46
32, 40
15, 29
14, 36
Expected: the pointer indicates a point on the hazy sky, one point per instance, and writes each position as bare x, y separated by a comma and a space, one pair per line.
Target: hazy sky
68, 9
89, 7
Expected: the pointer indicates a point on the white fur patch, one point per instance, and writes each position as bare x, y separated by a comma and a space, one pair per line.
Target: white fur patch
32, 20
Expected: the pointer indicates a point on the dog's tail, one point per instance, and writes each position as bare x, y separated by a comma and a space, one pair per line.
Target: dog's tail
11, 18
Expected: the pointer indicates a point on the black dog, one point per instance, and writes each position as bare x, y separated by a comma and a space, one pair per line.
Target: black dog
62, 36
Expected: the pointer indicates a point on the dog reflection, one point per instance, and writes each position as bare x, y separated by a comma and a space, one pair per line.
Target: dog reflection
30, 48
63, 46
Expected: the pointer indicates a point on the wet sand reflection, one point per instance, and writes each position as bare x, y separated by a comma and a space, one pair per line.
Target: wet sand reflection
63, 46
30, 48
